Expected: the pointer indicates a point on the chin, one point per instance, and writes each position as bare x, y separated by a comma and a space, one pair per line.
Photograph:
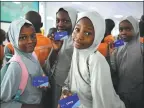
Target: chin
30, 51
126, 40
77, 47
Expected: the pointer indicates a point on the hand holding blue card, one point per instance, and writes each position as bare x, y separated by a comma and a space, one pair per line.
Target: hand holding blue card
118, 43
70, 102
60, 35
40, 81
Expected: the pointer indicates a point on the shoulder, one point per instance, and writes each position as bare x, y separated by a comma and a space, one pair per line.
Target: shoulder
13, 70
14, 66
97, 58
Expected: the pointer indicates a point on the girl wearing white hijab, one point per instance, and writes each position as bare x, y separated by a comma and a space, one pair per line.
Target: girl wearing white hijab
65, 21
127, 62
89, 75
22, 36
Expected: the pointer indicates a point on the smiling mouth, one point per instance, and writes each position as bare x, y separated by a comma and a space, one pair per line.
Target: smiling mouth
61, 29
31, 46
77, 44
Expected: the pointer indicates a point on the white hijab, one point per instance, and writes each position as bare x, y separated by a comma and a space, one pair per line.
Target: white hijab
99, 28
67, 44
72, 14
13, 33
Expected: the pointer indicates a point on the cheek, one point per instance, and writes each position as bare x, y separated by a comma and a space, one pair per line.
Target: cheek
22, 45
130, 34
91, 39
73, 35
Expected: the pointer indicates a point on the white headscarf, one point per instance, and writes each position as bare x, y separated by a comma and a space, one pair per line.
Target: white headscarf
99, 28
13, 34
14, 31
134, 23
72, 14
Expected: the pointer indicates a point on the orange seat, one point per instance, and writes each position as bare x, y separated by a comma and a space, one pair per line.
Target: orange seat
103, 47
142, 39
43, 48
109, 39
1, 52
9, 45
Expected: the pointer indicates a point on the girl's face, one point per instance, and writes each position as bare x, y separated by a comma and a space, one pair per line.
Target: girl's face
83, 34
126, 30
27, 39
63, 22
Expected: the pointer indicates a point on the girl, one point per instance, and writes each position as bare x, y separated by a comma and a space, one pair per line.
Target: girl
59, 60
127, 61
89, 75
22, 35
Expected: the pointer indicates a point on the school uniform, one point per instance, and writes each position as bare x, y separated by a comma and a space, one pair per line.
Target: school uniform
89, 74
62, 62
11, 81
127, 63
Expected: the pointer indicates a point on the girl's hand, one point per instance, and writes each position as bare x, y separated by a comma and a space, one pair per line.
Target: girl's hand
65, 94
44, 87
55, 44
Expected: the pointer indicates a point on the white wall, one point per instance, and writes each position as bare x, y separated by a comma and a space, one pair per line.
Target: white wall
4, 26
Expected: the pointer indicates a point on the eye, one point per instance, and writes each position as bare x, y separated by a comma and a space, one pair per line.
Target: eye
66, 21
33, 36
23, 38
128, 29
120, 29
87, 33
77, 29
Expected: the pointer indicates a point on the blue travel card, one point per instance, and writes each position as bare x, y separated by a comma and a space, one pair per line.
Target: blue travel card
40, 81
118, 43
60, 35
70, 102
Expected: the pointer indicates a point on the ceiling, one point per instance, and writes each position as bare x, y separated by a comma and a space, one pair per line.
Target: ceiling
106, 9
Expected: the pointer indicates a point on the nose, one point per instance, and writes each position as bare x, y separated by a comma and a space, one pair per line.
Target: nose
61, 24
79, 36
123, 32
29, 40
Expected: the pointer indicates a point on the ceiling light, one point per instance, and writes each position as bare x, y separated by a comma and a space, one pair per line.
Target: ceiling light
16, 2
118, 16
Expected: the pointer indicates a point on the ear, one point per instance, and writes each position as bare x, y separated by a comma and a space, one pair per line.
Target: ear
41, 24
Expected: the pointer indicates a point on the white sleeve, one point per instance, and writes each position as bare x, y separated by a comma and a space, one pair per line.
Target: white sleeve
103, 93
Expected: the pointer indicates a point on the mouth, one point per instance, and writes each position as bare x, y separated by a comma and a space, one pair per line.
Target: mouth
61, 30
31, 46
123, 36
76, 44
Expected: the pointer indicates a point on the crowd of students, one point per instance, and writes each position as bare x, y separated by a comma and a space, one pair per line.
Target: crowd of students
86, 63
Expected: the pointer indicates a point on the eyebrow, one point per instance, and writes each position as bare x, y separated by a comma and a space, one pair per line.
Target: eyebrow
27, 32
63, 19
87, 27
